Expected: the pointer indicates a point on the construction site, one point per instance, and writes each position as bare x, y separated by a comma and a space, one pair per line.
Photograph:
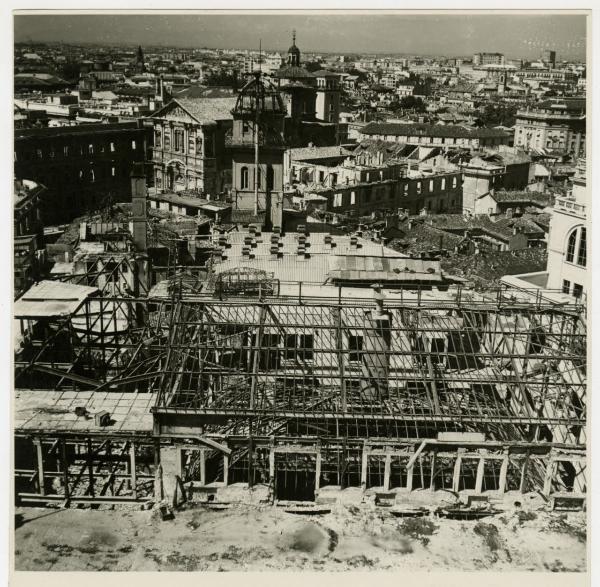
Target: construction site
231, 382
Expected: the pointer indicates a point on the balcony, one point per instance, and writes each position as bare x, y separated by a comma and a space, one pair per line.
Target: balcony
570, 207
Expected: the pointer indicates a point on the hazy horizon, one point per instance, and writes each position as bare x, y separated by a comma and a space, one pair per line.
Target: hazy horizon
433, 34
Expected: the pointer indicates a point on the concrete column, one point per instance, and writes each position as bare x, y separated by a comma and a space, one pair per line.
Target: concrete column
456, 476
479, 478
363, 471
170, 457
318, 471
503, 474
40, 465
386, 472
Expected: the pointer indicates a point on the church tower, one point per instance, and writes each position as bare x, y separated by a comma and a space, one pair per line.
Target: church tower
140, 67
257, 145
294, 53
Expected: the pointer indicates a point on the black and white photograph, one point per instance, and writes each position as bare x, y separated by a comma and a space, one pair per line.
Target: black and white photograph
300, 291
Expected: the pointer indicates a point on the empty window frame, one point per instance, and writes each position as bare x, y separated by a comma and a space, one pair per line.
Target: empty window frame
355, 347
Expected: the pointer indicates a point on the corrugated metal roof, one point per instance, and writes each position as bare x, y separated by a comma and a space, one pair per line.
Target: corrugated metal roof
359, 268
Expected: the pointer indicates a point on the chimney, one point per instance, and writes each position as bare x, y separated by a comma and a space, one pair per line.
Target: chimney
138, 199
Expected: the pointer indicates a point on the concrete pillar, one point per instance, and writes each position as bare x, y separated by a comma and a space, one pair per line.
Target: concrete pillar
170, 457
386, 472
503, 474
479, 478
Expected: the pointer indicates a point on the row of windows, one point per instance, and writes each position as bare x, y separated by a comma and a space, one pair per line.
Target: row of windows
178, 143
68, 150
577, 290
276, 348
245, 178
401, 189
442, 140
94, 174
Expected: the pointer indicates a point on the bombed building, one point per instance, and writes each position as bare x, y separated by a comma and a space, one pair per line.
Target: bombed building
292, 366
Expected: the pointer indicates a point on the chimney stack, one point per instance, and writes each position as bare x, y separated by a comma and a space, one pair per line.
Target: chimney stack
138, 199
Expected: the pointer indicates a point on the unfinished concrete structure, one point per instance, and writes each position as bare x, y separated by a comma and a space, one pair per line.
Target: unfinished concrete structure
233, 389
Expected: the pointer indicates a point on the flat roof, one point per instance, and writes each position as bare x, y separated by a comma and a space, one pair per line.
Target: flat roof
51, 299
54, 411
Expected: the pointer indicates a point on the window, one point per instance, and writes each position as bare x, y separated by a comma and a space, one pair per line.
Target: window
112, 147
258, 172
577, 290
355, 345
443, 183
418, 187
244, 178
582, 249
92, 176
39, 153
454, 182
245, 127
431, 185
270, 177
191, 145
566, 286
269, 354
66, 151
406, 189
158, 138
577, 247
352, 198
305, 347
90, 149
112, 171
337, 200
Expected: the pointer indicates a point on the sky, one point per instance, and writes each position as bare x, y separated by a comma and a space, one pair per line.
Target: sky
434, 34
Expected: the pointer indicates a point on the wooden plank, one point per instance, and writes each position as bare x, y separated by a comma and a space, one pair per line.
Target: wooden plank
416, 454
550, 468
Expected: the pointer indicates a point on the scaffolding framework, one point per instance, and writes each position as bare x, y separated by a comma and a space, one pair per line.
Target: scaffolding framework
337, 391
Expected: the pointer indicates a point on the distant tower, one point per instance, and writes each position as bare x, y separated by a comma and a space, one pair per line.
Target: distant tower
139, 61
257, 146
294, 52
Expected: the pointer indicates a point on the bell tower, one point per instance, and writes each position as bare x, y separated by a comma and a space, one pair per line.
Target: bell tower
294, 52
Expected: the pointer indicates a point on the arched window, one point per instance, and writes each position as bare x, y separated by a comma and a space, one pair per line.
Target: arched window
577, 247
582, 249
571, 246
244, 178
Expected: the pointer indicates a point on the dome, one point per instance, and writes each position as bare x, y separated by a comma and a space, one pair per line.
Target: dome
262, 92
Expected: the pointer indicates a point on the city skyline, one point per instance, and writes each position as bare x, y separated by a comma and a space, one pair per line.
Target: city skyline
433, 34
